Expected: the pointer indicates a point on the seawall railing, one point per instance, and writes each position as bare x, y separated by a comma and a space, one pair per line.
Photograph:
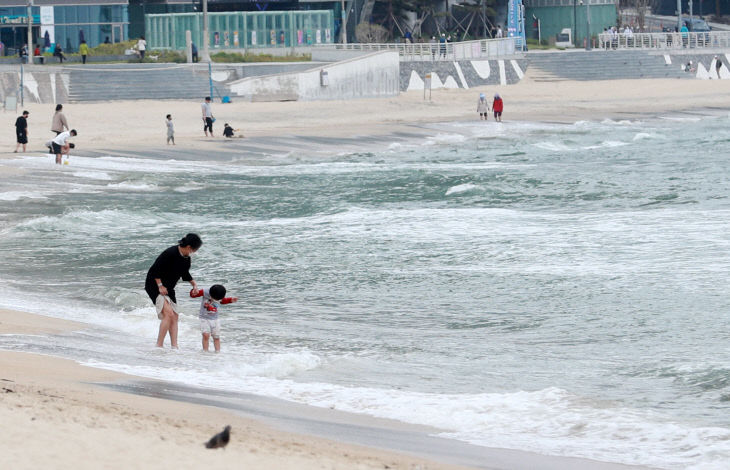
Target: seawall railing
450, 51
668, 41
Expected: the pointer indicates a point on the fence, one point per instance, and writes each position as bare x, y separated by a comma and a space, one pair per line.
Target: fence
449, 51
708, 40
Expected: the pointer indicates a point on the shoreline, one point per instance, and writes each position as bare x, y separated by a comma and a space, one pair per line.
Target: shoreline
54, 405
138, 126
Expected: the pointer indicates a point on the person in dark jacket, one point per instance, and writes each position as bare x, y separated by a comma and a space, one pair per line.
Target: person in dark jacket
21, 131
168, 268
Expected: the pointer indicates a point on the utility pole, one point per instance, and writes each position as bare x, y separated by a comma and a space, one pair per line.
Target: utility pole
679, 15
344, 23
30, 32
588, 25
205, 56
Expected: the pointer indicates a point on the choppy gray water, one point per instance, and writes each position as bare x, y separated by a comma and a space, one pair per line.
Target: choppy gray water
556, 288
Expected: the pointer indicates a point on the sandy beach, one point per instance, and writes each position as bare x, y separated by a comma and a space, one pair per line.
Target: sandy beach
140, 125
59, 414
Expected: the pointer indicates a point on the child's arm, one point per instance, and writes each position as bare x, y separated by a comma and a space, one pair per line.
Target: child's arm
196, 292
229, 300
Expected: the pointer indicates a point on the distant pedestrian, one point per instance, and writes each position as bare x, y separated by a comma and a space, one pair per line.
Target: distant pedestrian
442, 45
84, 51
208, 118
483, 107
497, 107
170, 130
194, 50
499, 32
718, 65
432, 42
141, 48
59, 123
106, 40
21, 131
59, 53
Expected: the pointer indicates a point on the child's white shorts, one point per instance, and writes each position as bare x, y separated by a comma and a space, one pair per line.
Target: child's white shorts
213, 327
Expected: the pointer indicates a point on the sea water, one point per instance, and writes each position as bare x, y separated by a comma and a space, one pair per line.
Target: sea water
558, 288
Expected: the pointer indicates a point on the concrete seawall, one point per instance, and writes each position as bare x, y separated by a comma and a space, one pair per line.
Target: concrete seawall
376, 74
368, 76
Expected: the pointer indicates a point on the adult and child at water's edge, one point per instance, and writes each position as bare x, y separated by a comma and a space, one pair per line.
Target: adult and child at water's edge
170, 266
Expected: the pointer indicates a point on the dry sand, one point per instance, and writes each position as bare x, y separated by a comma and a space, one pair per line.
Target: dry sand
52, 414
139, 125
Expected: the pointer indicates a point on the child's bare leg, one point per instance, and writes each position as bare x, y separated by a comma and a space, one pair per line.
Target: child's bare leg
217, 344
206, 337
58, 158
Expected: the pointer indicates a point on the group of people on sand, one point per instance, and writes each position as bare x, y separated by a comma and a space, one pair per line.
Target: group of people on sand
170, 266
208, 120
483, 107
59, 145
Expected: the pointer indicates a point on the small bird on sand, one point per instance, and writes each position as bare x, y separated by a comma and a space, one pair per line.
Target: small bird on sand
219, 440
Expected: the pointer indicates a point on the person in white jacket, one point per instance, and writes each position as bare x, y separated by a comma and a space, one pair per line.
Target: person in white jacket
483, 107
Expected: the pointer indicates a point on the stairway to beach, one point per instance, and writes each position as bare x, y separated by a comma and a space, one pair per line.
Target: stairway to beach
599, 65
105, 82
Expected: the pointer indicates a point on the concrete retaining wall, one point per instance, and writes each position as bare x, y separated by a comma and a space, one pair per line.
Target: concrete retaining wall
39, 86
462, 74
369, 76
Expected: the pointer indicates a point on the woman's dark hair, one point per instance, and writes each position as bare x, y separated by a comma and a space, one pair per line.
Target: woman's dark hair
217, 292
192, 240
59, 107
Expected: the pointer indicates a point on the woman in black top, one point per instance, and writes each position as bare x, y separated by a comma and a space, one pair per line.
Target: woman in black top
168, 268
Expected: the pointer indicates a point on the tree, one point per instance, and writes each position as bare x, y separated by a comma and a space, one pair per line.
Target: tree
369, 32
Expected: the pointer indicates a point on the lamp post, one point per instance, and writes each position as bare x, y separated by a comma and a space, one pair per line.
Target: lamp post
205, 56
344, 23
30, 32
588, 25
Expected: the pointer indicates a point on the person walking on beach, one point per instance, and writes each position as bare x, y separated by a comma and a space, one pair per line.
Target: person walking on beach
168, 268
483, 107
210, 324
61, 141
497, 106
207, 117
21, 131
170, 130
84, 51
141, 48
59, 123
194, 51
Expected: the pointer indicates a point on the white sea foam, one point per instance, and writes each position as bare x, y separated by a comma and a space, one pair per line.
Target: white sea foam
606, 144
17, 195
553, 146
464, 188
133, 186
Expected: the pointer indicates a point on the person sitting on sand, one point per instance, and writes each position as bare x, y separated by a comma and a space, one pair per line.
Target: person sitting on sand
210, 324
228, 130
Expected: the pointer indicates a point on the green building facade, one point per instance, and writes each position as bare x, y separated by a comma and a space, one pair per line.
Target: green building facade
554, 15
241, 29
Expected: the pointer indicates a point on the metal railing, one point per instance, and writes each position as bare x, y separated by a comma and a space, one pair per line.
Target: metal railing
708, 40
427, 52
